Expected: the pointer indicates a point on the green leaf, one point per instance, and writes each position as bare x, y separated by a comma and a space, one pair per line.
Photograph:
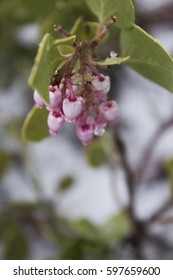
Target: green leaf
117, 228
122, 9
111, 61
95, 154
47, 61
85, 229
85, 30
65, 50
35, 126
66, 182
147, 56
65, 41
76, 25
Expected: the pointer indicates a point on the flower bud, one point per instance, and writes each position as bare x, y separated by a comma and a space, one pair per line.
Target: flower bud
72, 108
110, 111
55, 98
38, 100
102, 86
55, 121
85, 133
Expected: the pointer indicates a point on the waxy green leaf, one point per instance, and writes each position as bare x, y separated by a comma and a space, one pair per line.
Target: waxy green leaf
111, 61
122, 9
85, 30
147, 56
35, 126
47, 61
65, 50
76, 25
65, 41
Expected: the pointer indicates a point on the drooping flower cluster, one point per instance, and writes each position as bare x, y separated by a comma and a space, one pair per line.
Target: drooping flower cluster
81, 100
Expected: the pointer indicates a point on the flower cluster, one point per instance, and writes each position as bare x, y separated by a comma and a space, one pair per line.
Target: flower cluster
81, 100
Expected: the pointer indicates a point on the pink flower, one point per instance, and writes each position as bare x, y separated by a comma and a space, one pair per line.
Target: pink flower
99, 125
38, 100
101, 85
55, 121
81, 99
85, 133
72, 108
110, 111
98, 121
55, 98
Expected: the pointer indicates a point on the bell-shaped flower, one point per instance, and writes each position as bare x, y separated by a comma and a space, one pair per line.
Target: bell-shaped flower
110, 111
72, 108
99, 125
55, 121
38, 100
55, 98
101, 85
85, 133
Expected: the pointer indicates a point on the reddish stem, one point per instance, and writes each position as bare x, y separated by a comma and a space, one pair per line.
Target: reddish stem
96, 72
69, 85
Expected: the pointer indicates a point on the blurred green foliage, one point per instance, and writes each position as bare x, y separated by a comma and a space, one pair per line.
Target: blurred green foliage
79, 239
4, 161
95, 154
13, 238
66, 183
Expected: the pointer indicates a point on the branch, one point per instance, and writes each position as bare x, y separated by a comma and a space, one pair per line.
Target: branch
147, 154
155, 217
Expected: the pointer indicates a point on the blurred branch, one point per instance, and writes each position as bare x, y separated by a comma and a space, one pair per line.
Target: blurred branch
159, 242
148, 152
162, 220
128, 172
138, 227
134, 178
156, 217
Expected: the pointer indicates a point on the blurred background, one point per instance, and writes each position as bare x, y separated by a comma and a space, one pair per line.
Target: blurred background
60, 200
